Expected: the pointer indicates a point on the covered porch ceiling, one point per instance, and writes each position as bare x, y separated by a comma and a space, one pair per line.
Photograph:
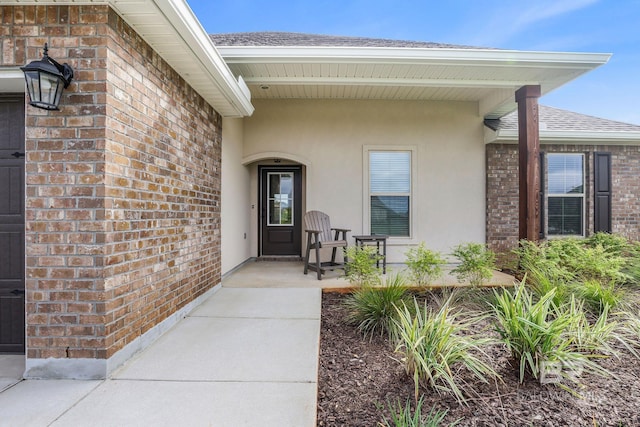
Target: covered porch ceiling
486, 76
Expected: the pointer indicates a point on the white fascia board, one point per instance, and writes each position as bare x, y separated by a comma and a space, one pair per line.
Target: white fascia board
360, 81
567, 136
444, 56
196, 38
12, 80
184, 26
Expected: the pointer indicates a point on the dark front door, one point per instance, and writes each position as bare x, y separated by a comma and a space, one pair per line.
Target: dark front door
12, 308
280, 210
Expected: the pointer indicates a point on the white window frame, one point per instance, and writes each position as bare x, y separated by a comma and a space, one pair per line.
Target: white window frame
551, 195
413, 203
269, 198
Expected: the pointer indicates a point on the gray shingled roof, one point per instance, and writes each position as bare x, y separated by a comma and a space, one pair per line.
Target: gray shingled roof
555, 119
302, 39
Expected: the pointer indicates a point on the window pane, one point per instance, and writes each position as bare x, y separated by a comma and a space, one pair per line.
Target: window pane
280, 198
390, 215
565, 174
390, 172
565, 216
274, 213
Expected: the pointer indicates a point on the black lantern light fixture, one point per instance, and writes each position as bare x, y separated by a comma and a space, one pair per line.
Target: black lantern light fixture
46, 80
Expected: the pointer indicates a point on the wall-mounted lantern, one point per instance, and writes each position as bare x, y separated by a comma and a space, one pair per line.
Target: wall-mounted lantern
46, 80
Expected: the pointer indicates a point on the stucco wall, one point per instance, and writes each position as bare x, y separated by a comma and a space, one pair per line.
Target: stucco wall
328, 136
236, 200
123, 192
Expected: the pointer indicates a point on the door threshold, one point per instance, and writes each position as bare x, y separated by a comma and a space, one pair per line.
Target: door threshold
284, 258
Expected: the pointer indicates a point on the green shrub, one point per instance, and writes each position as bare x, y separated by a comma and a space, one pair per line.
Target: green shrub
566, 263
434, 345
471, 300
540, 336
541, 283
600, 257
401, 416
425, 265
373, 308
543, 259
361, 265
476, 263
631, 266
596, 263
612, 243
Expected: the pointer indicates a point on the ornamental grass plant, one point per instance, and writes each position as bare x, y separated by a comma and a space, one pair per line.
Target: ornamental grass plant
402, 416
433, 346
599, 296
540, 337
373, 308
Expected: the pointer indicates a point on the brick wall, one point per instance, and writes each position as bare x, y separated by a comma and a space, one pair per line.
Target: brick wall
123, 185
502, 190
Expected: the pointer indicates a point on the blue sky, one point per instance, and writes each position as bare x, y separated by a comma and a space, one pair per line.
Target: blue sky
605, 26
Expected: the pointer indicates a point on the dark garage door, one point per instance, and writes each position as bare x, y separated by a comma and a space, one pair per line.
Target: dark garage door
12, 308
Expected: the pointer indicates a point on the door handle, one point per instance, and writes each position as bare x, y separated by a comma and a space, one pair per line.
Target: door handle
18, 292
17, 154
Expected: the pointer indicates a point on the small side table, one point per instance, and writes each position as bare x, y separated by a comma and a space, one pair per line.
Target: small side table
377, 239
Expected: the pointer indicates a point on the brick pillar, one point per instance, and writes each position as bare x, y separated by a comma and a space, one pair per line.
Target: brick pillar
65, 173
123, 192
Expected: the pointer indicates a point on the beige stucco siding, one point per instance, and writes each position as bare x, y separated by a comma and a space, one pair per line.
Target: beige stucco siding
236, 198
330, 138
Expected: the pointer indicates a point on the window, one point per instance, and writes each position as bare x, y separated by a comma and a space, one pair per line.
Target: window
565, 200
280, 195
390, 192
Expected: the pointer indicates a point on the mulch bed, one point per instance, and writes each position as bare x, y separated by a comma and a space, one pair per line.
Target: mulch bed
357, 378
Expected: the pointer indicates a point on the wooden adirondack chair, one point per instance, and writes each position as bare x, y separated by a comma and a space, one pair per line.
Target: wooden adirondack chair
321, 235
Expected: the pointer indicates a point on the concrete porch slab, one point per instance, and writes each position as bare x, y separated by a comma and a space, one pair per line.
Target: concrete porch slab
231, 349
289, 303
264, 274
245, 357
281, 274
11, 369
160, 403
41, 402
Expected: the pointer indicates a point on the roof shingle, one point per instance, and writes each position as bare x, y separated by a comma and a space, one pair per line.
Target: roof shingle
303, 39
555, 119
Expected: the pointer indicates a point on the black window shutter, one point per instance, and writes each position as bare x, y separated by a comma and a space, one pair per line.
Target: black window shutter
542, 187
602, 192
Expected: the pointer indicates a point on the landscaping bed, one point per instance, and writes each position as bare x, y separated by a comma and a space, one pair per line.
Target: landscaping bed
358, 377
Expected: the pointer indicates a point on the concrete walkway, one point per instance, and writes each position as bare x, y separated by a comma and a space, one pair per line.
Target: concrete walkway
245, 357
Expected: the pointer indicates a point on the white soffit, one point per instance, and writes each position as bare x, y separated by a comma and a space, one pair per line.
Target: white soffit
172, 30
487, 76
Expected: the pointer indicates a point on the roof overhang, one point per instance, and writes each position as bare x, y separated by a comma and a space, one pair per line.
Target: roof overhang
173, 31
486, 76
11, 80
510, 136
